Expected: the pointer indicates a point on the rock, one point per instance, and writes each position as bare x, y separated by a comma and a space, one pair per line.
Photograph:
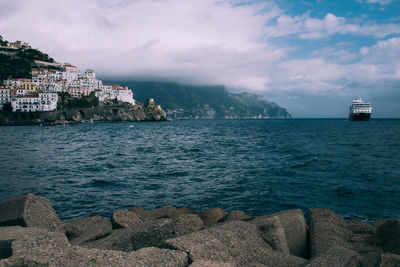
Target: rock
237, 215
125, 218
238, 243
336, 257
119, 239
90, 229
273, 232
149, 233
184, 210
34, 244
212, 216
327, 229
29, 211
295, 229
389, 260
365, 242
163, 212
37, 247
210, 264
389, 235
187, 223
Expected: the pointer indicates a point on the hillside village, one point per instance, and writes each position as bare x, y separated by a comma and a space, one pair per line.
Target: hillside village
52, 82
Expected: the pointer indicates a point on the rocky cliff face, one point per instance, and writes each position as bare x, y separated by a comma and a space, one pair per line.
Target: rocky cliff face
74, 116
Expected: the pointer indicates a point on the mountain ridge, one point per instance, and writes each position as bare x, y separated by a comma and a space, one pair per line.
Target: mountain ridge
189, 101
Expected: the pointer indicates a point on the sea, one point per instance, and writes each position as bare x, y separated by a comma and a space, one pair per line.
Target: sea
259, 166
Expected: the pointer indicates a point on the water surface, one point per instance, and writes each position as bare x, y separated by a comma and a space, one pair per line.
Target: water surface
258, 166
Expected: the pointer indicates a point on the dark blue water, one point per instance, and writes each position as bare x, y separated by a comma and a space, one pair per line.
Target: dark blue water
258, 166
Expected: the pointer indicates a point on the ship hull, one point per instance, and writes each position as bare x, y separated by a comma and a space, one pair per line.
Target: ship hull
359, 116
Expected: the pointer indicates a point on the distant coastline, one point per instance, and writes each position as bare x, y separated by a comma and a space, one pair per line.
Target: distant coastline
146, 112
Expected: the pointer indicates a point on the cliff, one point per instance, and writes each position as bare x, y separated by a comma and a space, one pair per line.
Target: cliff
204, 101
75, 116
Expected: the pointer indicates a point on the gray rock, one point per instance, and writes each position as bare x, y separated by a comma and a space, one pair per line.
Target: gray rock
212, 216
90, 229
365, 242
237, 242
272, 232
29, 211
389, 235
210, 264
295, 228
184, 210
389, 260
125, 218
237, 215
37, 247
119, 239
163, 212
336, 257
187, 223
327, 229
149, 233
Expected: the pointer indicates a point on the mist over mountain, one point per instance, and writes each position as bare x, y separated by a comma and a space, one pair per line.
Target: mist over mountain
188, 101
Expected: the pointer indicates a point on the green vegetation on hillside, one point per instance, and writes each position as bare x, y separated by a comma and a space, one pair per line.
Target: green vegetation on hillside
205, 101
65, 101
18, 64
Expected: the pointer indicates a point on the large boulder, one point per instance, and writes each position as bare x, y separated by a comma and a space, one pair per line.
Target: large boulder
37, 247
149, 233
187, 223
125, 218
210, 264
163, 212
237, 242
389, 260
295, 229
212, 216
328, 229
336, 257
29, 211
273, 232
237, 215
365, 242
389, 235
89, 229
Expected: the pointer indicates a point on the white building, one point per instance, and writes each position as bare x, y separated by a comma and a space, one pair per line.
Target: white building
4, 96
31, 103
115, 92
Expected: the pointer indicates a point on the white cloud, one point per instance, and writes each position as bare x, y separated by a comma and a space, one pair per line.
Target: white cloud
202, 42
306, 27
381, 2
208, 41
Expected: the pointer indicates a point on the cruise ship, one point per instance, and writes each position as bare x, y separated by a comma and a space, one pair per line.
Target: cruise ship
360, 110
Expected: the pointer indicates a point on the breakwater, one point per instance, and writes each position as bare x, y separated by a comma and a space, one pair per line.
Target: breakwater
31, 234
79, 115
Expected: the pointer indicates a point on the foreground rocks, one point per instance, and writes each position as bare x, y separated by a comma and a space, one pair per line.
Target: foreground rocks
31, 234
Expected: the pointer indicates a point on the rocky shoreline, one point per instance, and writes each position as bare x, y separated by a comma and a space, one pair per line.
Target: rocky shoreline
80, 115
31, 234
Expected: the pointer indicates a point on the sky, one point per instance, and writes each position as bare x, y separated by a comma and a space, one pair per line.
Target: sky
312, 57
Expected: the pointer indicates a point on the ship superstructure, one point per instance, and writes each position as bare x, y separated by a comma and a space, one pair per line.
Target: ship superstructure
360, 110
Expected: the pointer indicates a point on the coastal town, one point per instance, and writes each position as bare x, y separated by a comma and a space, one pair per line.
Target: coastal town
50, 80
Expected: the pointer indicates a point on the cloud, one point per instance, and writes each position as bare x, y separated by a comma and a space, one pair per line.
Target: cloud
229, 43
306, 27
381, 2
208, 41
